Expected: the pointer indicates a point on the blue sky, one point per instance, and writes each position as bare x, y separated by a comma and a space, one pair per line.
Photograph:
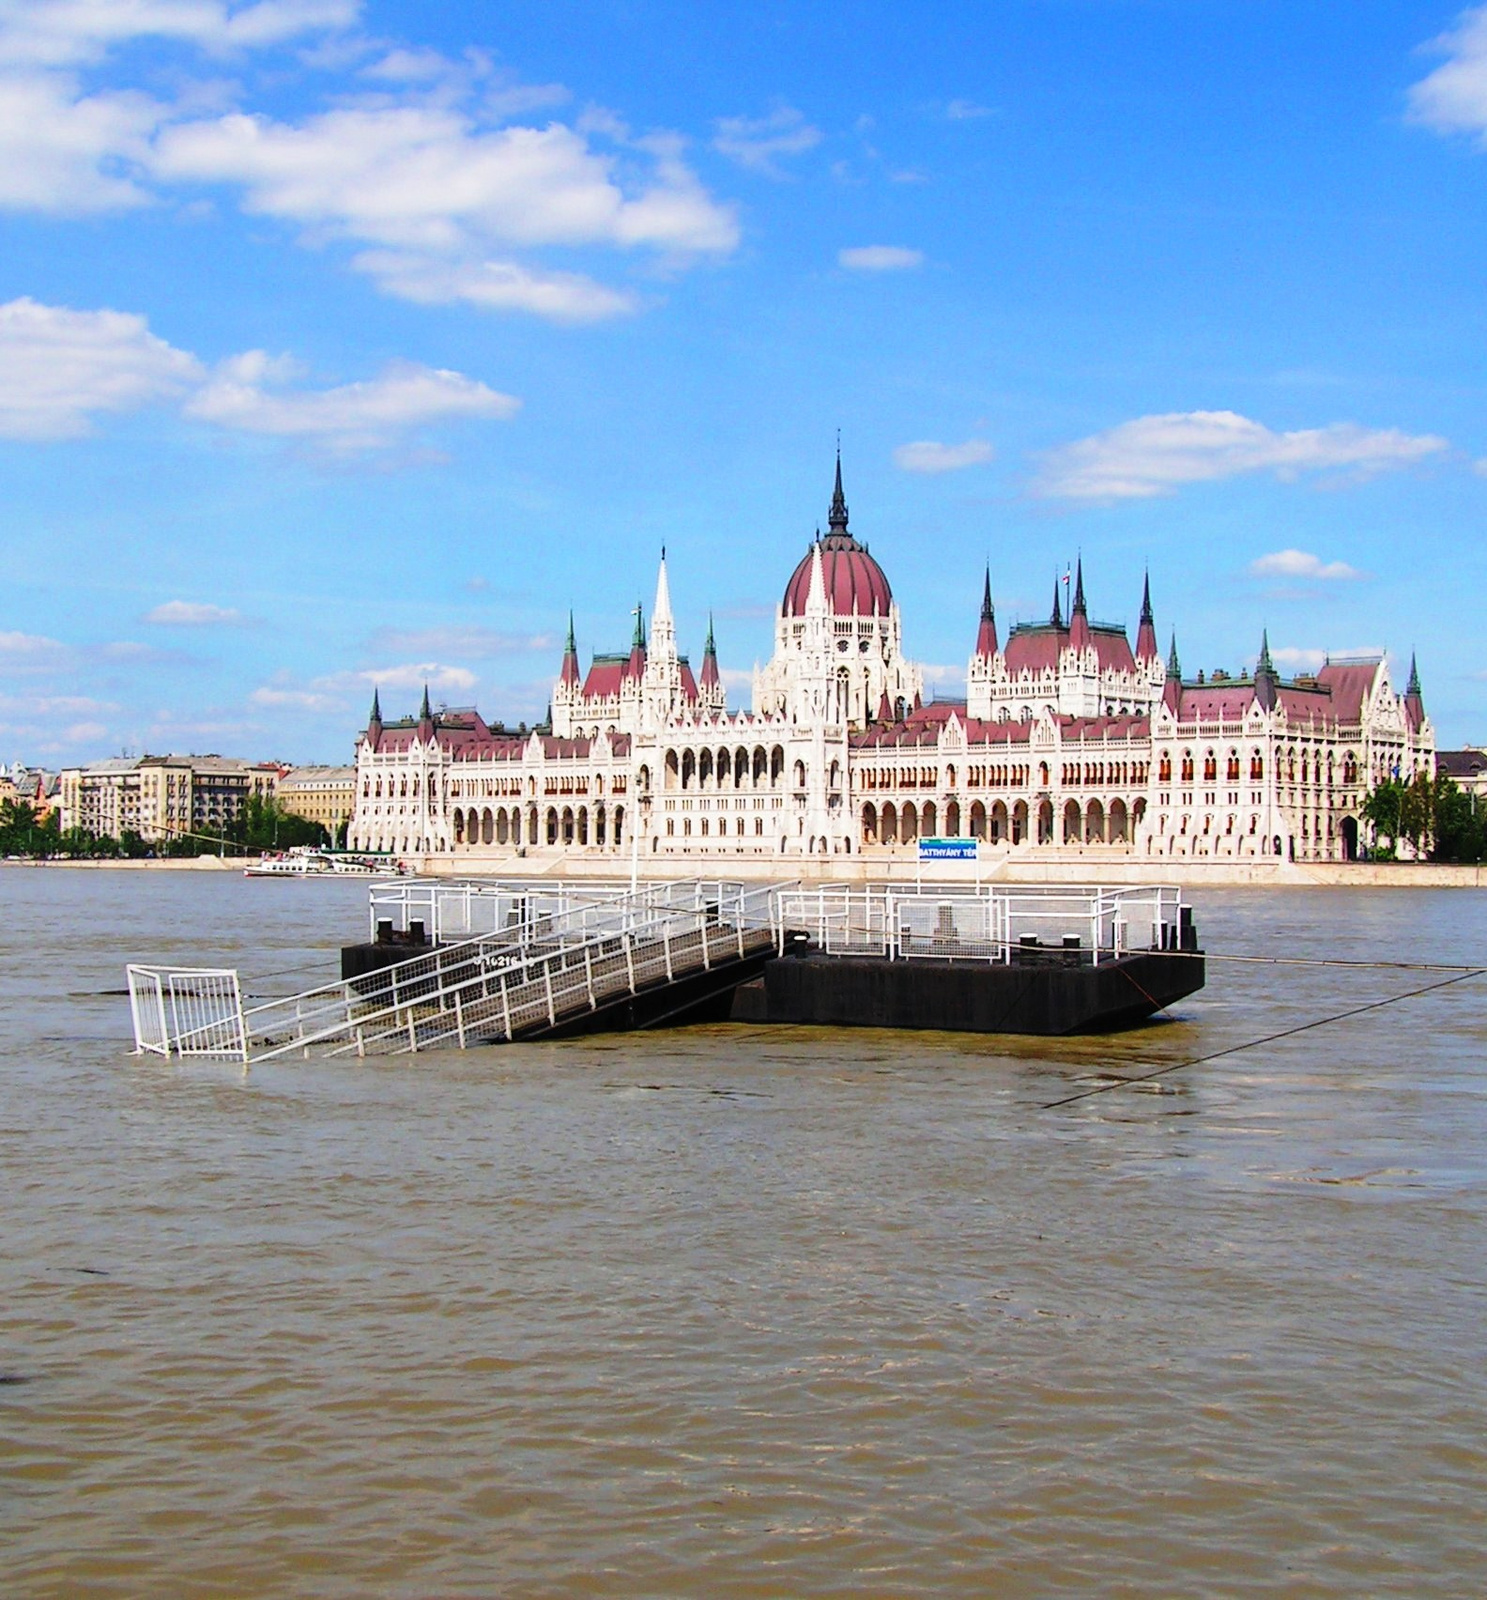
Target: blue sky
347, 342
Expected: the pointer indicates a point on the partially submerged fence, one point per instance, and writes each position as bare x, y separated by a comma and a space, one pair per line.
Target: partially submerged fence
542, 970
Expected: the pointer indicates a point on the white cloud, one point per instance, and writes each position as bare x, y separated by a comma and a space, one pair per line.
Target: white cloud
1301, 564
427, 177
1155, 455
58, 367
758, 142
193, 614
83, 732
926, 455
68, 153
295, 699
1453, 98
461, 640
879, 258
1303, 659
496, 285
967, 111
52, 33
20, 648
351, 419
408, 675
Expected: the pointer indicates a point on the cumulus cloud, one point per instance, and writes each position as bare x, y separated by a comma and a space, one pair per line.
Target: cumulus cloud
1301, 564
68, 153
967, 111
758, 143
409, 675
928, 456
193, 614
23, 651
495, 285
59, 367
51, 33
879, 258
478, 643
351, 419
427, 176
1301, 658
1453, 98
280, 699
1156, 455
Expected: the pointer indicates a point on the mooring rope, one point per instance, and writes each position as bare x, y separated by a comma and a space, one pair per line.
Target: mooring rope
1459, 976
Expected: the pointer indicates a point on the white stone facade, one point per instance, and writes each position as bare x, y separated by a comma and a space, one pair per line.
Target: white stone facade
1068, 740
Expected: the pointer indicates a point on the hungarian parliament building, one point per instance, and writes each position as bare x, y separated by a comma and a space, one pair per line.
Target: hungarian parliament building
1069, 739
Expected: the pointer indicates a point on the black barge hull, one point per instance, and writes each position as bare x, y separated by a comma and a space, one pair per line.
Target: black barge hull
968, 996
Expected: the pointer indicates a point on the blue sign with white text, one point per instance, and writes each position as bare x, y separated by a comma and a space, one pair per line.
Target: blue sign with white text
947, 849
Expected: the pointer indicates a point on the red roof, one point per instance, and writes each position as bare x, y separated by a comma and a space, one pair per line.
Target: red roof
1034, 647
1351, 682
854, 581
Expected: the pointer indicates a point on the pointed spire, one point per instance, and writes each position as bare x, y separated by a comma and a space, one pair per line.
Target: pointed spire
986, 640
424, 713
570, 674
1172, 689
1079, 613
635, 666
710, 678
1413, 686
815, 599
1056, 619
1267, 683
638, 642
837, 517
1146, 634
885, 710
661, 611
376, 717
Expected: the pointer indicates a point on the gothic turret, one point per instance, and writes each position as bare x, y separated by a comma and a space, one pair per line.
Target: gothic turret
1146, 633
374, 722
710, 678
1056, 619
1079, 612
986, 640
569, 675
1172, 689
1267, 681
635, 666
1414, 701
836, 518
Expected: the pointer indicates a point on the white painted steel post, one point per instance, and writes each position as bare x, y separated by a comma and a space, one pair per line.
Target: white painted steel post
552, 1016
459, 1018
506, 1008
588, 973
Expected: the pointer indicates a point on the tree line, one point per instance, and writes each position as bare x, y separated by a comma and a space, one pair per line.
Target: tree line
262, 824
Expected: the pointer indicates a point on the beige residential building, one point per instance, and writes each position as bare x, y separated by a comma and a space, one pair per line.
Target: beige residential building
326, 795
161, 797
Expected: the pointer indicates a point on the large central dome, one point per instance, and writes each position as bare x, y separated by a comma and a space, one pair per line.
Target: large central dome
854, 581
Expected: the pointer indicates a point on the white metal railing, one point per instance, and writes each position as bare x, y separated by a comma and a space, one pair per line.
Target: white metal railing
983, 923
187, 1011
448, 911
555, 951
538, 972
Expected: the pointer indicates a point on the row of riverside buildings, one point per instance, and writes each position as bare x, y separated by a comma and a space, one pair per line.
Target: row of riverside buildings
1069, 738
177, 796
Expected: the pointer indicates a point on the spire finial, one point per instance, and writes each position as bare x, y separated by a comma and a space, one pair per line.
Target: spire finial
987, 612
1413, 687
1056, 619
1264, 664
572, 643
836, 518
1146, 596
638, 642
424, 713
1078, 606
1174, 666
376, 715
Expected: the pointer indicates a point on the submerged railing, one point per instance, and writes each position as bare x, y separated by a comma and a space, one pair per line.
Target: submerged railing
542, 970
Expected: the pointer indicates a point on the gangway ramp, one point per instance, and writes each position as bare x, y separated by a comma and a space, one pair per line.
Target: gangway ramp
614, 959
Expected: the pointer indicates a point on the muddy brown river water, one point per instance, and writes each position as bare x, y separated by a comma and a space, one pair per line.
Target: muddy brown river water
742, 1312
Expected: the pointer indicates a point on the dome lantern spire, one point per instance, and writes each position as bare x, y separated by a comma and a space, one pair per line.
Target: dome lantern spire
836, 517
